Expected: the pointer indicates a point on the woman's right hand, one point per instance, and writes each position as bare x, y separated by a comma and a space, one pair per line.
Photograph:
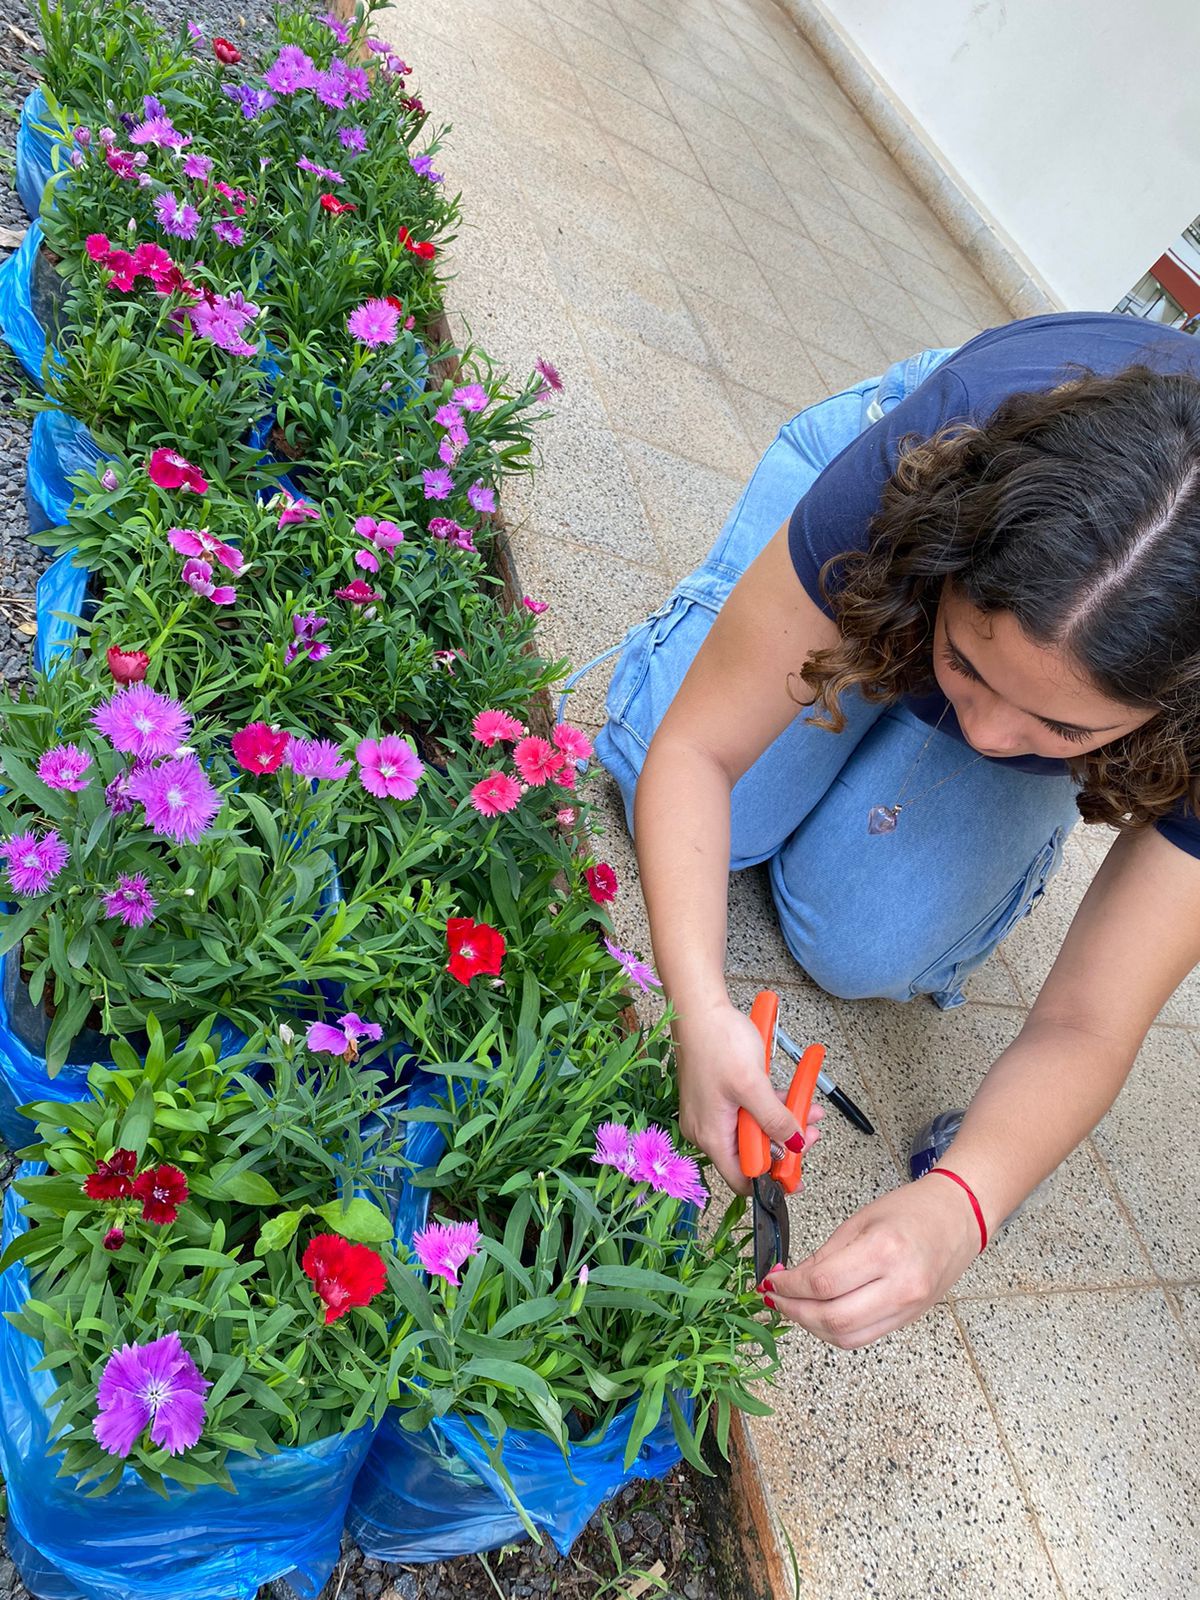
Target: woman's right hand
719, 1053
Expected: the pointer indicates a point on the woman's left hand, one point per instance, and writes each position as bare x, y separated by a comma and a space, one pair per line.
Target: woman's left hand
883, 1267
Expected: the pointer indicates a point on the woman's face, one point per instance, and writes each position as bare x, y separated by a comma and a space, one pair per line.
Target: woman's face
1016, 698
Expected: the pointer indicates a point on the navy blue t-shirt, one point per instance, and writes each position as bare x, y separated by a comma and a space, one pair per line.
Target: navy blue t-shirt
1036, 354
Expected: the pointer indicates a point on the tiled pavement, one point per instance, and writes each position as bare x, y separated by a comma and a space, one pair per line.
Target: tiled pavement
672, 201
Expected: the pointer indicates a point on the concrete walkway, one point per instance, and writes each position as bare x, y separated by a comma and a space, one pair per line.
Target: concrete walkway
671, 200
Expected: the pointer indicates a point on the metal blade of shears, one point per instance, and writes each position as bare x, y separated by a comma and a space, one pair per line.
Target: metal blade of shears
772, 1234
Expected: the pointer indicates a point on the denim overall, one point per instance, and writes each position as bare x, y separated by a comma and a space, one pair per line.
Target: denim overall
890, 916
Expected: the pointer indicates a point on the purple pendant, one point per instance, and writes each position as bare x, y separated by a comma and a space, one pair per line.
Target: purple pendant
883, 819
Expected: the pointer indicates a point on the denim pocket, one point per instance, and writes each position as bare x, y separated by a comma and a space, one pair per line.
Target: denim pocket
951, 970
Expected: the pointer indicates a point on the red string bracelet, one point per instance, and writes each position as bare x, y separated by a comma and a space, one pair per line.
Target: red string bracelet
970, 1194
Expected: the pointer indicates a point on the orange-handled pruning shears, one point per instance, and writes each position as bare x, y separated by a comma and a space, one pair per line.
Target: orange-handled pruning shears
775, 1176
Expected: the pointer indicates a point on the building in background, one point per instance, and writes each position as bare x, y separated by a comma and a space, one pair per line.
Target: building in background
1170, 291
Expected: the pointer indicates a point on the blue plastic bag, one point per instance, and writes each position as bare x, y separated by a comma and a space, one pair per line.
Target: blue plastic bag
59, 447
285, 1521
36, 152
22, 331
431, 1495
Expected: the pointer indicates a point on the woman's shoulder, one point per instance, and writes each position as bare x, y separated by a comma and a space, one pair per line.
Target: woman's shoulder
1041, 352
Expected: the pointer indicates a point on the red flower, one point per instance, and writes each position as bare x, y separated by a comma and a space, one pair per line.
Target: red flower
127, 666
358, 593
601, 882
227, 54
426, 250
343, 1274
162, 1190
474, 948
112, 1179
169, 470
393, 300
330, 202
412, 102
260, 748
114, 1239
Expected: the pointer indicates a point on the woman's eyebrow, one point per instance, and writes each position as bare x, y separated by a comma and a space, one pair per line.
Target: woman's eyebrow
1051, 722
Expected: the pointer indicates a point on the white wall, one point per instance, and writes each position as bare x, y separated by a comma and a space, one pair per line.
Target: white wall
1075, 123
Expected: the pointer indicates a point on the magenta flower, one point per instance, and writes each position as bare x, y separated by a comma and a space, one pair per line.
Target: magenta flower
357, 593
131, 901
156, 1386
336, 27
388, 768
490, 727
224, 319
534, 607
323, 1038
536, 760
197, 166
316, 758
121, 162
328, 173
446, 528
448, 451
423, 167
442, 1248
573, 742
252, 101
176, 217
33, 863
471, 397
438, 483
142, 723
198, 575
613, 1147
651, 1151
367, 560
297, 511
681, 1180
481, 498
291, 71
636, 971
180, 802
448, 416
495, 794
549, 373
331, 88
64, 768
375, 322
229, 233
353, 139
306, 626
199, 542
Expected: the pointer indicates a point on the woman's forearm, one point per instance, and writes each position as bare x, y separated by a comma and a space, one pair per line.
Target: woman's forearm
1043, 1096
681, 833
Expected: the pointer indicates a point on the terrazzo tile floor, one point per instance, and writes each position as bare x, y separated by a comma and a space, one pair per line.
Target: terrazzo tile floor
673, 202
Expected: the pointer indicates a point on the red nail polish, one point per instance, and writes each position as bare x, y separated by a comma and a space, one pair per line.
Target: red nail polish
768, 1302
795, 1144
768, 1287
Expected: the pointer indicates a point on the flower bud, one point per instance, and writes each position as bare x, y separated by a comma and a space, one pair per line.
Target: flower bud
286, 1033
83, 136
580, 1289
109, 480
114, 1238
76, 158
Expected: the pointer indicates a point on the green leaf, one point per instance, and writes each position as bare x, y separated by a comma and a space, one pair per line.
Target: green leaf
360, 1220
246, 1188
278, 1231
138, 1120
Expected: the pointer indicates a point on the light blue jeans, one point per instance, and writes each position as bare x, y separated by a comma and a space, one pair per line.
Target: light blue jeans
895, 915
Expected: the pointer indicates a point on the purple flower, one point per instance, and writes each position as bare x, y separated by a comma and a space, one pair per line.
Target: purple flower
152, 106
358, 85
131, 901
198, 575
651, 1150
423, 167
306, 626
229, 233
109, 480
471, 397
197, 32
323, 1038
155, 1385
64, 767
481, 498
612, 1147
327, 173
439, 485
224, 319
389, 767
252, 101
447, 416
142, 723
453, 533
375, 322
549, 373
681, 1180
317, 758
33, 863
198, 167
177, 218
331, 88
396, 65
442, 1248
353, 139
448, 451
116, 793
291, 71
336, 27
180, 802
83, 136
159, 130
637, 971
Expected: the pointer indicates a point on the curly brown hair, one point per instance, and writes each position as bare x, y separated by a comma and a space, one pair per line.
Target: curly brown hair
1077, 511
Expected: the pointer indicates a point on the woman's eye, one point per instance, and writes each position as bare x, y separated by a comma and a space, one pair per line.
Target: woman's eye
1074, 735
956, 663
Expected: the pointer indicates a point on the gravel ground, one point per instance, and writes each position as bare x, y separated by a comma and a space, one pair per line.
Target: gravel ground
650, 1540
